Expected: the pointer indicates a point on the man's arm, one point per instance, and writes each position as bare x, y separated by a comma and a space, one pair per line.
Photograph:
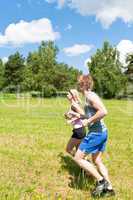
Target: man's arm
100, 108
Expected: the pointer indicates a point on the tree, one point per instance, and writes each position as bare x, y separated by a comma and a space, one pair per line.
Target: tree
40, 72
65, 77
31, 72
105, 69
48, 54
43, 71
129, 74
1, 74
129, 71
14, 70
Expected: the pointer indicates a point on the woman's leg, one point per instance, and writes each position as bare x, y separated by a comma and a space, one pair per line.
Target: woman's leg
97, 159
73, 142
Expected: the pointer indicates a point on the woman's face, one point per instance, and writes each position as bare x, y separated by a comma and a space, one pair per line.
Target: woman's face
69, 96
82, 86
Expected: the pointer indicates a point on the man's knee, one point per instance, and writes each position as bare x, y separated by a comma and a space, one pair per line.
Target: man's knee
77, 157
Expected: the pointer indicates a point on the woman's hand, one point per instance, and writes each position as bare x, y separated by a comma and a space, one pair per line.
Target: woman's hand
74, 114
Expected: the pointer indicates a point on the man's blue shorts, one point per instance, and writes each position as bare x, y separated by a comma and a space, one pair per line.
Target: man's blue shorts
94, 142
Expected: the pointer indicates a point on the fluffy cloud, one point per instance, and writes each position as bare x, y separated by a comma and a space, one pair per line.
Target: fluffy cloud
77, 49
124, 47
106, 11
28, 32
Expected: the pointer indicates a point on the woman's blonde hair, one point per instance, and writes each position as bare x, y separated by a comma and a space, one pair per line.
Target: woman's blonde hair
75, 95
87, 81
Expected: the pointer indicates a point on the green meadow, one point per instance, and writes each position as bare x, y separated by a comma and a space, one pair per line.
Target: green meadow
33, 162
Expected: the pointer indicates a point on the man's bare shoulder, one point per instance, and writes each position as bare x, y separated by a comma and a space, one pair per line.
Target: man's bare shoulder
92, 95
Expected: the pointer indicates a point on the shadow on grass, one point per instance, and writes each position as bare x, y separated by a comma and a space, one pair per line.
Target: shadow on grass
78, 177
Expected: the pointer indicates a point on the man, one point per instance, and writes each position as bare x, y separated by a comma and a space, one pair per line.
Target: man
94, 143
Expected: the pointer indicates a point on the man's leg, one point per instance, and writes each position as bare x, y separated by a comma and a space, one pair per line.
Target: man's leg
97, 159
87, 166
101, 184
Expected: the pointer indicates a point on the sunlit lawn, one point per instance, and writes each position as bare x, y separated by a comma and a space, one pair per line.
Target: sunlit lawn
33, 162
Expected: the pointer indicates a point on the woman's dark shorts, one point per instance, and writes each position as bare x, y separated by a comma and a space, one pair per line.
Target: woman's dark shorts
79, 133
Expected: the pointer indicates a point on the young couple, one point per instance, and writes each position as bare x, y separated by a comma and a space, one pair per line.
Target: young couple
95, 141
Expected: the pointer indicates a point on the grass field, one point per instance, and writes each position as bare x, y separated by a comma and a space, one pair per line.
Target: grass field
33, 162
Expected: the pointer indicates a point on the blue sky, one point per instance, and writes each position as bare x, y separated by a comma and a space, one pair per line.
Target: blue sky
77, 27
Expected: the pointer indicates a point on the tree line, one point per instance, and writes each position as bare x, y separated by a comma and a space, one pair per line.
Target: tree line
40, 72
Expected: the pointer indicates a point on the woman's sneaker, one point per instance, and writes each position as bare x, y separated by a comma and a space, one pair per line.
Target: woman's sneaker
101, 187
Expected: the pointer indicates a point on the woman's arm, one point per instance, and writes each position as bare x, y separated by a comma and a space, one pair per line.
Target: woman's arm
76, 107
100, 108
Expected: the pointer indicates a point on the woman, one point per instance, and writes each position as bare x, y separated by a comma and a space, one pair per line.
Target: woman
73, 118
94, 143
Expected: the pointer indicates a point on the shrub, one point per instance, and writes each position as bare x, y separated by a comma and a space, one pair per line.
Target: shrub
49, 91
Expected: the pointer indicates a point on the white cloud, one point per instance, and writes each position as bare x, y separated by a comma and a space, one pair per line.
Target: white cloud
68, 28
124, 47
5, 59
105, 11
28, 32
77, 49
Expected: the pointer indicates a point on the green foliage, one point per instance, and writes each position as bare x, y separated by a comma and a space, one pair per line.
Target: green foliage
65, 77
129, 71
39, 72
14, 71
49, 91
31, 72
129, 75
1, 74
43, 72
106, 71
35, 94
